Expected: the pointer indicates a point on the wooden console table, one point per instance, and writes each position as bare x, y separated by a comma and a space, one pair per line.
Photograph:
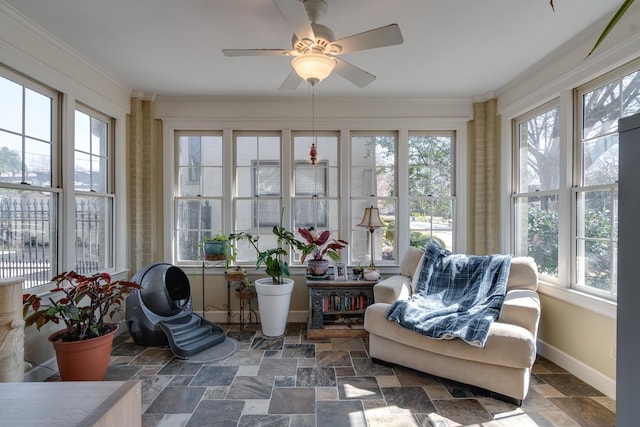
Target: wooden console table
67, 404
336, 308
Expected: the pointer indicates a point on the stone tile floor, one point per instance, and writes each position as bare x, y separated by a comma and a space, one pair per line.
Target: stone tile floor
297, 382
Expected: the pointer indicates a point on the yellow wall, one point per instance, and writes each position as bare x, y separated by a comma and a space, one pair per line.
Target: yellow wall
579, 333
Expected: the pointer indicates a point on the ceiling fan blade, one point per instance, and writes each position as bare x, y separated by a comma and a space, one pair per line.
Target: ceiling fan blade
352, 73
294, 12
256, 52
291, 82
380, 37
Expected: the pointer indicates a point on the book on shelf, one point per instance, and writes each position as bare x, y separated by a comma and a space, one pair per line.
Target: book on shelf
344, 303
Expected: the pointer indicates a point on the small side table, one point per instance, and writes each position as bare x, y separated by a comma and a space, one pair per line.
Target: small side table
336, 308
244, 293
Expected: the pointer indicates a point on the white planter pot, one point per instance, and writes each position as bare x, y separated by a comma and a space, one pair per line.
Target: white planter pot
273, 305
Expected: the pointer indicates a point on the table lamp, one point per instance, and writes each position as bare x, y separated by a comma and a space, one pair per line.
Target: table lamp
371, 220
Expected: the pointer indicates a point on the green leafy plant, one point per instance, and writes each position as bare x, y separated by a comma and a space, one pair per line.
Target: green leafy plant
319, 245
82, 305
216, 238
276, 266
612, 23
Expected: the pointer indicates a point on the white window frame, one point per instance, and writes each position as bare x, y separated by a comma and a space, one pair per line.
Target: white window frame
53, 189
199, 197
373, 199
519, 194
452, 178
580, 187
108, 195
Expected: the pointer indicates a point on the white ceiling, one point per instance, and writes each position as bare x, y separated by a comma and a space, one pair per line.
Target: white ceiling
452, 48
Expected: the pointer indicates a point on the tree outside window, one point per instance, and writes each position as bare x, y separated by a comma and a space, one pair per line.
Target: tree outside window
431, 201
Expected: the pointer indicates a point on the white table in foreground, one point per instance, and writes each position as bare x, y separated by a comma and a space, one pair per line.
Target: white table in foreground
67, 404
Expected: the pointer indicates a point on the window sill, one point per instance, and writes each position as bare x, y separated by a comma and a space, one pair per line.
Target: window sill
588, 302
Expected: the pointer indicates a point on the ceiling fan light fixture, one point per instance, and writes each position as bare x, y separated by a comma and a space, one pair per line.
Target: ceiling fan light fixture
313, 67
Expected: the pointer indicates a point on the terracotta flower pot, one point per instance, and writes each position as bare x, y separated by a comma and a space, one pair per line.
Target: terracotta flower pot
85, 360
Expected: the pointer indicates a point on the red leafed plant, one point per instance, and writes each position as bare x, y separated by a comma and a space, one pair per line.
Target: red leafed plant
82, 305
319, 245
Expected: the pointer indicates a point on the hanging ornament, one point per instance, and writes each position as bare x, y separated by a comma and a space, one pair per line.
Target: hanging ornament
313, 153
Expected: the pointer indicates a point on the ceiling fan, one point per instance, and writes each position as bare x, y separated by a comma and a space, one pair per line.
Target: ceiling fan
314, 49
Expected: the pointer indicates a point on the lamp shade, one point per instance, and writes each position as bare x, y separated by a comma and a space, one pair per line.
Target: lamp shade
313, 67
371, 218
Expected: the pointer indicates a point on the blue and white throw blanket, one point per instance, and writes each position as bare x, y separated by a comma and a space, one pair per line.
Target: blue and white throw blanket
456, 296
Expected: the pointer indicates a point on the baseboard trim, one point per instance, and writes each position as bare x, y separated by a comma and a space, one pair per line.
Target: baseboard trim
581, 370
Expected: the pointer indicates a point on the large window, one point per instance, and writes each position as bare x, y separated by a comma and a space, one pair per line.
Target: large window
537, 185
309, 179
94, 197
601, 104
565, 200
199, 192
373, 183
431, 186
28, 196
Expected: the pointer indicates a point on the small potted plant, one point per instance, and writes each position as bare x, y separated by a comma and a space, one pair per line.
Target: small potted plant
358, 269
82, 304
216, 247
319, 245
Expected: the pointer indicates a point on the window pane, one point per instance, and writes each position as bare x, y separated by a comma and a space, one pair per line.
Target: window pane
600, 162
310, 180
246, 150
91, 153
601, 110
37, 115
594, 262
100, 174
597, 238
204, 216
317, 213
10, 157
99, 137
37, 160
430, 165
10, 106
212, 182
631, 94
200, 165
537, 231
94, 228
82, 135
539, 153
373, 166
431, 220
82, 171
266, 179
27, 236
326, 149
195, 220
188, 246
211, 149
